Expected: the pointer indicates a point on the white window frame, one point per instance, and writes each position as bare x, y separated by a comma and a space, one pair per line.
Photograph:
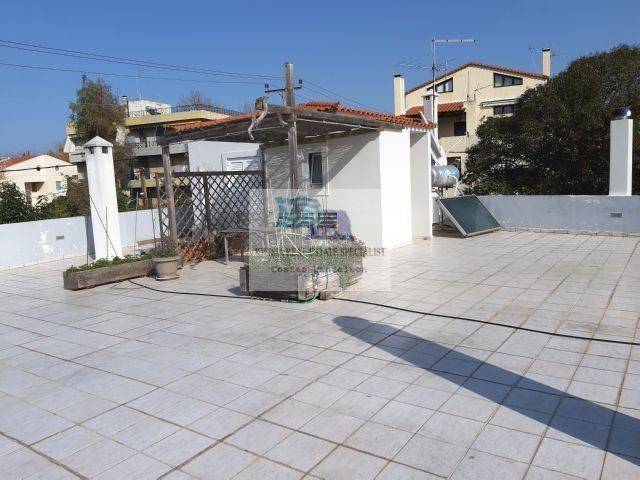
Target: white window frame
240, 155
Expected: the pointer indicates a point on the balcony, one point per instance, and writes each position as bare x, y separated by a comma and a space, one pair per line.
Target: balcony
152, 111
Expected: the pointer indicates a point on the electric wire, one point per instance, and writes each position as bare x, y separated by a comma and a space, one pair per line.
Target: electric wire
129, 75
408, 310
30, 47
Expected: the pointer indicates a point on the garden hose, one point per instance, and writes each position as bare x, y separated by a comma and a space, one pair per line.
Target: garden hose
400, 309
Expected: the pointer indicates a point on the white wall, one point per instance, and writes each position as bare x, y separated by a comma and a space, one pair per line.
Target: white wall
42, 241
368, 176
567, 213
421, 199
395, 183
205, 156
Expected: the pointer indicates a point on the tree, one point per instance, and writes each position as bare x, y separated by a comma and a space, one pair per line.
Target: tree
196, 97
96, 111
58, 151
14, 206
557, 141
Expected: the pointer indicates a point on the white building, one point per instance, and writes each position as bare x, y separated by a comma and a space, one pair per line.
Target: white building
374, 169
39, 176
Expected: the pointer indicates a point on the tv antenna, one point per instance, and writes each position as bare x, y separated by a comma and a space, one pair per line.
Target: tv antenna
434, 65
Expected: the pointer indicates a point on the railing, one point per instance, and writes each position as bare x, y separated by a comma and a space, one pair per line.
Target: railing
149, 110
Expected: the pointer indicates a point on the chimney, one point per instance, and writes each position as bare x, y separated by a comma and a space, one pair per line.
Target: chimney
398, 95
430, 110
546, 62
620, 155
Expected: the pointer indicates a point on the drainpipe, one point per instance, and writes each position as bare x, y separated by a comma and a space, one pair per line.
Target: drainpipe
620, 154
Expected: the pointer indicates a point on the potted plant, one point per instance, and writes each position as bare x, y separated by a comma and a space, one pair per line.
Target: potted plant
165, 261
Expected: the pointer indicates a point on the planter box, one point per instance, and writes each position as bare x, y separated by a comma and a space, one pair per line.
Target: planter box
300, 285
100, 276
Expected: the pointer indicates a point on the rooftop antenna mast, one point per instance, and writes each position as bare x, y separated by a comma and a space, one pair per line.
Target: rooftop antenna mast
434, 66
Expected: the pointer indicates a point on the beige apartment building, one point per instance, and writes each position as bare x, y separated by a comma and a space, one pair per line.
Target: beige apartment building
466, 96
39, 176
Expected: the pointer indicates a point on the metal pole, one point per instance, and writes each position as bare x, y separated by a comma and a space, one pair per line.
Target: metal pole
171, 205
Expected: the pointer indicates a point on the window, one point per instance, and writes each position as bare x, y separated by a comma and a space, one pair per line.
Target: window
316, 175
105, 149
500, 80
446, 86
459, 128
58, 185
504, 109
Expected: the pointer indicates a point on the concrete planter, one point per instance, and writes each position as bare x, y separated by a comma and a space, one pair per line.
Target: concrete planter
166, 267
100, 276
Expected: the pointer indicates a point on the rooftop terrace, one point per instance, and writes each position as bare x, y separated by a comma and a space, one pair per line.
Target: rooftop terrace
124, 382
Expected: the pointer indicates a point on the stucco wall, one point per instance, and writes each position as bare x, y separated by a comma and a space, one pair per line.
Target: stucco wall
395, 183
205, 156
47, 240
589, 213
45, 178
421, 201
475, 83
352, 179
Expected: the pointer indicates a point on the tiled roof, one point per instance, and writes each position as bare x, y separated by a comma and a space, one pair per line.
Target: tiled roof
317, 106
11, 161
451, 107
337, 107
485, 66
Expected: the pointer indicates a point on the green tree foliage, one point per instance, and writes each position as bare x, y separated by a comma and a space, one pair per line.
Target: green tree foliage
14, 206
557, 142
96, 111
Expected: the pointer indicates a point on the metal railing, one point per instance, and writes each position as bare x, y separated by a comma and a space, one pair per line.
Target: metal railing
149, 110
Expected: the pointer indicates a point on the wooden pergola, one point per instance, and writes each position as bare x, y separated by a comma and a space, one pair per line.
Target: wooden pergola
312, 125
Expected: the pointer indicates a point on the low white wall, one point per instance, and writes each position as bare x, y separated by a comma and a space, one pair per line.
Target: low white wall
27, 243
570, 213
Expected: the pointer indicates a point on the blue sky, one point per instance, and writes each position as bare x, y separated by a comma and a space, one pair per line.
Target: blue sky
350, 47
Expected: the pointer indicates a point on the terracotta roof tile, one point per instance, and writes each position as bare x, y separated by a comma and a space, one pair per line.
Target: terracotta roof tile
451, 107
11, 161
318, 106
485, 66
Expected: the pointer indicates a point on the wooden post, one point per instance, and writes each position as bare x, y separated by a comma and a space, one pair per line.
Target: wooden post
292, 136
171, 205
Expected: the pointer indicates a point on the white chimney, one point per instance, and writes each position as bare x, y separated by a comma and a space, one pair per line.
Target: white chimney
620, 155
399, 107
546, 62
430, 106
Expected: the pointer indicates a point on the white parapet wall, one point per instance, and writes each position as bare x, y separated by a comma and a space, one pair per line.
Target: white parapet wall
598, 214
28, 243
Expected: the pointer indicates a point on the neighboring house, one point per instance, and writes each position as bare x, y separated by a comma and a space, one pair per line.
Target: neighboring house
371, 168
466, 96
39, 176
145, 122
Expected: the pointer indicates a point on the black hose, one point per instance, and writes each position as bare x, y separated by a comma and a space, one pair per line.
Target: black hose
408, 310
